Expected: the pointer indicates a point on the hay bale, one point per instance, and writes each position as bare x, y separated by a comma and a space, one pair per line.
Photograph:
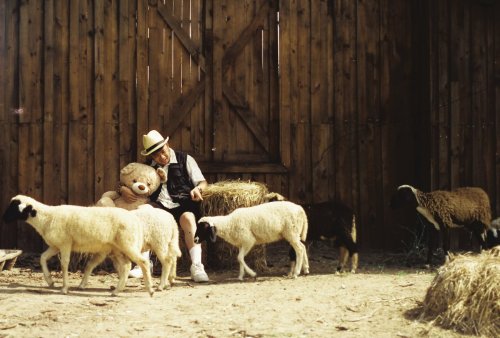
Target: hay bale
465, 294
220, 199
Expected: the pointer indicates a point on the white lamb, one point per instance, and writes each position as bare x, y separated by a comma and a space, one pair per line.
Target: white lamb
95, 230
161, 234
260, 224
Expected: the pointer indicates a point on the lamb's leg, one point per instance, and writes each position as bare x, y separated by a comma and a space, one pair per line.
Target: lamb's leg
173, 270
243, 266
305, 264
299, 251
95, 261
166, 264
293, 259
343, 257
122, 265
354, 262
135, 256
50, 252
65, 257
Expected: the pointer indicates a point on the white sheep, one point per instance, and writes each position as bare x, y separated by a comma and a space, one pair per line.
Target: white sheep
260, 224
467, 207
161, 234
94, 230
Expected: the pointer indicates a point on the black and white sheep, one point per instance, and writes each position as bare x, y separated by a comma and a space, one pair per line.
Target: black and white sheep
467, 207
260, 224
333, 220
493, 234
92, 230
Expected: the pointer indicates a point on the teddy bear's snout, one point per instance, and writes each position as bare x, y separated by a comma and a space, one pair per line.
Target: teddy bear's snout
140, 188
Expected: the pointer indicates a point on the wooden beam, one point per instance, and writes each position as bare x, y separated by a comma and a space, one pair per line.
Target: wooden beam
247, 115
181, 34
183, 106
235, 49
253, 168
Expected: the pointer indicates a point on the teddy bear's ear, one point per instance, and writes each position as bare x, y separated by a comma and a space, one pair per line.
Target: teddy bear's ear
129, 168
163, 175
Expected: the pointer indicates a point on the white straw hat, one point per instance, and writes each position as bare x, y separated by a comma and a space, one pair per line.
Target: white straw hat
152, 142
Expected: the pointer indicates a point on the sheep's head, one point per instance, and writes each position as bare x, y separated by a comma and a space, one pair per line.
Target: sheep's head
405, 195
142, 178
17, 210
204, 231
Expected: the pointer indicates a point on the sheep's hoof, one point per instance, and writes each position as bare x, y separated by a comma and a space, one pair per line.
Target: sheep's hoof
64, 291
353, 271
306, 272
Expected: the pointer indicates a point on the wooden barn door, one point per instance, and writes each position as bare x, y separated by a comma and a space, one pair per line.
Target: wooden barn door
212, 82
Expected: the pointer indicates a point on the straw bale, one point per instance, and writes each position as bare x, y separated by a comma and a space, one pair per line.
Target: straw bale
221, 198
465, 294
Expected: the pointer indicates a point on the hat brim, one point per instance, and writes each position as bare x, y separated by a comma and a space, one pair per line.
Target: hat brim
147, 152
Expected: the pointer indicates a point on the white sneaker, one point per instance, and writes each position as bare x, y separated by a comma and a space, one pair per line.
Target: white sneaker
198, 273
136, 272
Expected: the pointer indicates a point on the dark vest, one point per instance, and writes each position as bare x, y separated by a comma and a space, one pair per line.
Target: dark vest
179, 184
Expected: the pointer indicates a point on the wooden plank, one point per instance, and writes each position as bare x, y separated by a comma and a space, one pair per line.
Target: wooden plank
478, 79
490, 115
321, 126
287, 22
187, 80
369, 120
49, 181
272, 79
99, 101
208, 109
61, 99
24, 64
219, 114
398, 131
126, 75
142, 95
443, 95
111, 96
496, 71
344, 92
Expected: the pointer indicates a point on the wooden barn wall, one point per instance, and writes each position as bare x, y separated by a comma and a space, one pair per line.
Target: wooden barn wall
318, 99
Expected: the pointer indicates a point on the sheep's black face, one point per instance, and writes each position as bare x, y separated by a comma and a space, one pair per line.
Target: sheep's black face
15, 211
204, 232
404, 196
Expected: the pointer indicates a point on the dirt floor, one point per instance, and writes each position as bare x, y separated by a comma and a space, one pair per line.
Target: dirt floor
381, 300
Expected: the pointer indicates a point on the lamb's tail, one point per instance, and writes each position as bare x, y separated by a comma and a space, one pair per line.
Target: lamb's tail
347, 237
175, 242
305, 227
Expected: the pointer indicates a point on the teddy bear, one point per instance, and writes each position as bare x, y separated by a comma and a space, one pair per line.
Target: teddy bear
142, 179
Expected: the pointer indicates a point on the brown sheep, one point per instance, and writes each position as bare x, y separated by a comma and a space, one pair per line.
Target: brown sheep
467, 207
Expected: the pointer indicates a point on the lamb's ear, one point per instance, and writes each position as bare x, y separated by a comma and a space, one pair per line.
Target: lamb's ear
163, 175
28, 211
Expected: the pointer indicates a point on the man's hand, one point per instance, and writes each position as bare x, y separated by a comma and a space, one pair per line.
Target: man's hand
196, 194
